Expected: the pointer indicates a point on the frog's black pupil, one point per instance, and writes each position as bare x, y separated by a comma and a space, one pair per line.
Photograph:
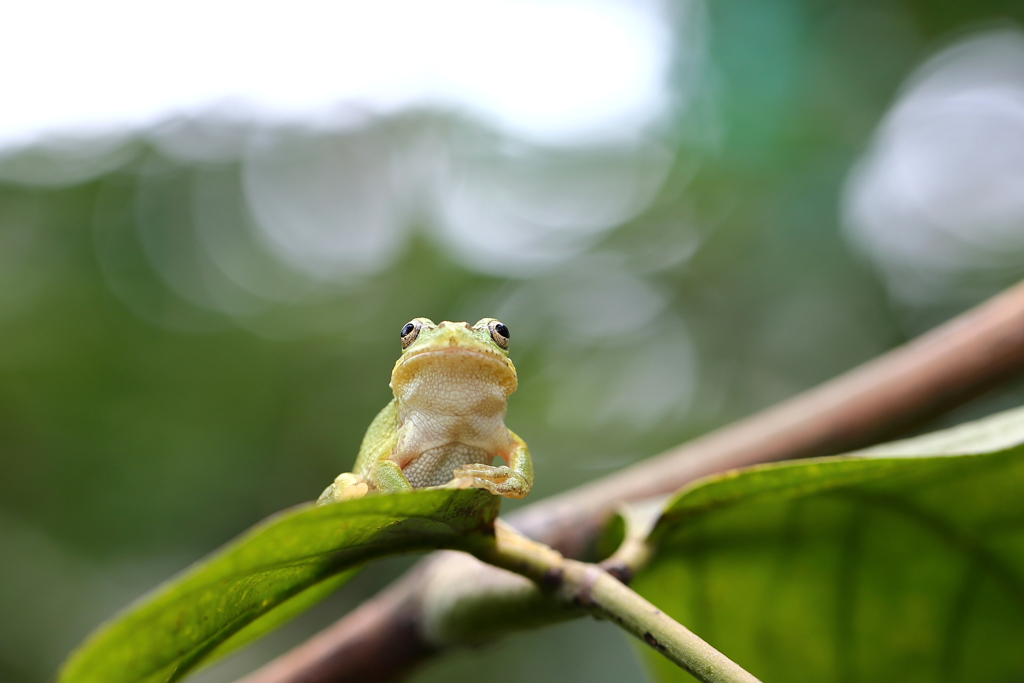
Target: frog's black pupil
502, 330
409, 327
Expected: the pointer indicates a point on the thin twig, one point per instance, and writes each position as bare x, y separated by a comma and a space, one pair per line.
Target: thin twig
598, 592
935, 372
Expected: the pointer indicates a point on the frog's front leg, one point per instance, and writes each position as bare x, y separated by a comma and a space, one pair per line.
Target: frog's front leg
385, 475
388, 477
512, 481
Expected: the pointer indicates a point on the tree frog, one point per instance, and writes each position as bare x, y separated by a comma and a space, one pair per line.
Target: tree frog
446, 423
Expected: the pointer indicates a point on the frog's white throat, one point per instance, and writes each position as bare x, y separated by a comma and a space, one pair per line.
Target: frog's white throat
452, 398
454, 385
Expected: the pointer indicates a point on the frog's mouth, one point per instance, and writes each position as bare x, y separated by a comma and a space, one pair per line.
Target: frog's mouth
478, 365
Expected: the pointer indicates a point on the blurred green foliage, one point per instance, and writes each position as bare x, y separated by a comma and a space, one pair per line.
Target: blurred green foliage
165, 384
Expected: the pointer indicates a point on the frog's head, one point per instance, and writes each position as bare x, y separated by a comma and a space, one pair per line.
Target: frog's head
456, 353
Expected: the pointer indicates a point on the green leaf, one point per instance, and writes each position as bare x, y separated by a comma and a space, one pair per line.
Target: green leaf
275, 570
901, 563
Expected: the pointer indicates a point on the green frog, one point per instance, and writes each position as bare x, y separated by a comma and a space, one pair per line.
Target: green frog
446, 424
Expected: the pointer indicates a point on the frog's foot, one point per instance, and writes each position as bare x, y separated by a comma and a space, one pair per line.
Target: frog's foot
501, 481
346, 486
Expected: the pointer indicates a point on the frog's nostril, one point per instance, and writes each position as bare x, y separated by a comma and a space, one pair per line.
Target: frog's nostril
468, 326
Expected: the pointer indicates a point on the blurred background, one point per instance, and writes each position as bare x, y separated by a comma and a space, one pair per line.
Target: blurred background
216, 217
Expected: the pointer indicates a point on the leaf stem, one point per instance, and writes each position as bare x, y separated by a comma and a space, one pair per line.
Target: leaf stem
588, 586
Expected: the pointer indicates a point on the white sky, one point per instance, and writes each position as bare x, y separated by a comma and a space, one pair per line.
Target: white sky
555, 70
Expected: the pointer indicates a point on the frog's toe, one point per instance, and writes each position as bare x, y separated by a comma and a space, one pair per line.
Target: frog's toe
463, 482
353, 491
515, 486
480, 471
501, 481
346, 486
476, 483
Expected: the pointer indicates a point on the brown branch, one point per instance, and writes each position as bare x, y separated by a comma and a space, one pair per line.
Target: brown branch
943, 368
931, 374
378, 641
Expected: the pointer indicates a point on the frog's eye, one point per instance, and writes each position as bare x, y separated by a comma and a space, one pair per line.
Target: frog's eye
410, 331
499, 333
